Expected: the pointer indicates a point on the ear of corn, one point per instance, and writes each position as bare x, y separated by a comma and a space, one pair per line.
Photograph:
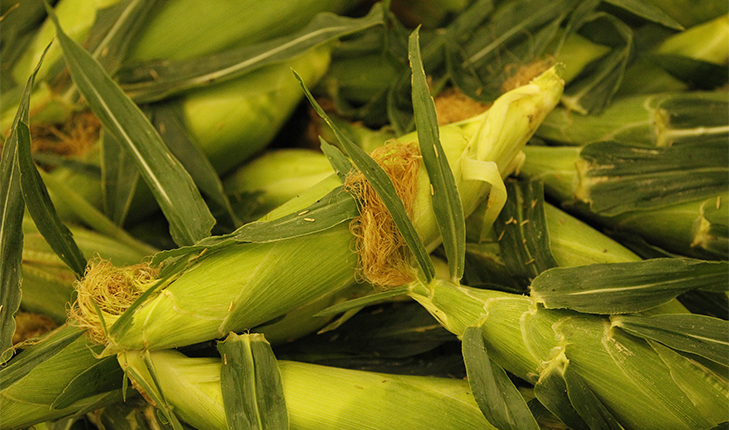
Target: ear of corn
537, 344
192, 386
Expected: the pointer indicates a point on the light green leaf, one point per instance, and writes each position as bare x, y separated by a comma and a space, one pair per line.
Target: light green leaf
446, 200
34, 355
188, 216
102, 375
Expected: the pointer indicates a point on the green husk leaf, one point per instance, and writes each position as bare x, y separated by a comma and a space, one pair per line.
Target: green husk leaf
587, 404
384, 189
592, 90
361, 302
119, 178
399, 95
625, 178
665, 383
34, 355
648, 11
497, 397
11, 229
626, 287
709, 395
522, 231
167, 119
334, 209
114, 30
41, 207
189, 218
517, 33
160, 80
150, 386
551, 391
702, 74
340, 163
446, 200
698, 334
251, 384
35, 194
103, 373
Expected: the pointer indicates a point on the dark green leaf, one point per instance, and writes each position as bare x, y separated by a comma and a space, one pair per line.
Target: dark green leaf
516, 34
592, 90
399, 97
499, 399
251, 384
340, 163
90, 215
119, 178
334, 209
382, 185
189, 218
587, 404
114, 30
627, 178
698, 334
627, 287
40, 206
167, 118
11, 229
160, 80
647, 10
522, 231
698, 73
446, 200
551, 391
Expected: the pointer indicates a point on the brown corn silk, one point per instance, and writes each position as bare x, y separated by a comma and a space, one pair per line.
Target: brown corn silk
383, 255
109, 289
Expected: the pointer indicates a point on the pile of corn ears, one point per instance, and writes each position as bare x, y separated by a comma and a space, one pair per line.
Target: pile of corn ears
348, 214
